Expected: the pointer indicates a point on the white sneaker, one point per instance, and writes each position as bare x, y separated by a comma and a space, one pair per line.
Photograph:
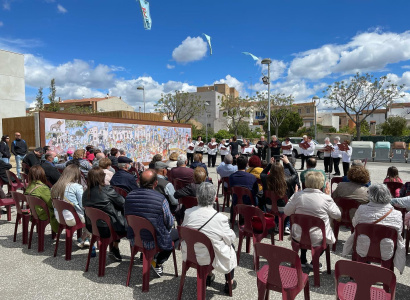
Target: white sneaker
87, 242
287, 230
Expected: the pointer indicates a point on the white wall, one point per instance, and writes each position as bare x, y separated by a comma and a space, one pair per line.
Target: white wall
113, 104
12, 86
379, 118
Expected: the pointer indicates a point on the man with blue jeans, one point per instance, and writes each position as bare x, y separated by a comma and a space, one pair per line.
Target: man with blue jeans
19, 149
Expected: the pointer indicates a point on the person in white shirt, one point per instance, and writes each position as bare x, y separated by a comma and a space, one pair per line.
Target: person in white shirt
217, 229
309, 152
346, 155
328, 157
303, 153
199, 146
190, 152
223, 149
286, 143
212, 152
336, 155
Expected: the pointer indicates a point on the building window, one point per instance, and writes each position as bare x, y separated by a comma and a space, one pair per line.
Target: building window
299, 111
208, 115
308, 110
311, 124
208, 125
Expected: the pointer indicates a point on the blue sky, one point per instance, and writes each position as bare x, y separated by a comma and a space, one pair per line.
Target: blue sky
93, 47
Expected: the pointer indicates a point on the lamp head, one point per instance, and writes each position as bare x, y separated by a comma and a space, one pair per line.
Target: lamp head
140, 88
266, 61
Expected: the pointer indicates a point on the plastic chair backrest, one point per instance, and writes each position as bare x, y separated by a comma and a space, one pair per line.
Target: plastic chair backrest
393, 186
364, 161
365, 275
19, 200
306, 222
95, 214
240, 192
138, 224
120, 191
226, 180
346, 205
247, 212
188, 201
25, 167
179, 184
376, 234
191, 237
276, 255
274, 199
35, 201
336, 180
11, 176
24, 180
60, 206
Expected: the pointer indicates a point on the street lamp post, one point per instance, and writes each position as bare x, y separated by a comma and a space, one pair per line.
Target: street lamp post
314, 99
266, 80
206, 122
143, 94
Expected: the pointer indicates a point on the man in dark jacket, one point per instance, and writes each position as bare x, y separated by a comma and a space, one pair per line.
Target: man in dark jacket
114, 157
3, 168
19, 149
153, 206
122, 178
181, 172
164, 186
4, 149
51, 171
34, 158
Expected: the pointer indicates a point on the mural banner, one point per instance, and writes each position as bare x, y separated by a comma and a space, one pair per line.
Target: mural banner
140, 142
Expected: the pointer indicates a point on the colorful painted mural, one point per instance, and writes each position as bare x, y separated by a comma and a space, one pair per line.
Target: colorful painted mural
141, 142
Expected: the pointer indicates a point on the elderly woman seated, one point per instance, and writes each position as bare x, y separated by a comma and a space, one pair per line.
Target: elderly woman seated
356, 188
380, 211
313, 202
216, 229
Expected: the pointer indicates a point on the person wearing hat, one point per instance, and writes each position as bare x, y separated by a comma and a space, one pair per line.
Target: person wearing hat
287, 143
33, 158
164, 186
69, 155
122, 178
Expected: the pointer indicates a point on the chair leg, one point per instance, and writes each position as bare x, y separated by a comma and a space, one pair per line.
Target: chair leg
175, 262
315, 262
16, 227
200, 284
26, 220
248, 244
146, 265
41, 233
306, 291
407, 240
336, 226
230, 284
133, 252
261, 290
33, 223
68, 243
328, 259
238, 254
60, 229
9, 213
93, 239
281, 229
181, 283
102, 257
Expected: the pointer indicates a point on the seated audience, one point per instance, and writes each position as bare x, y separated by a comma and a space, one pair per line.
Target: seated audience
114, 154
155, 158
405, 190
122, 178
182, 172
393, 176
105, 164
69, 155
80, 161
33, 158
122, 152
51, 171
89, 155
198, 162
226, 168
3, 168
379, 211
146, 202
164, 186
216, 229
288, 173
105, 198
243, 179
37, 187
313, 202
173, 159
69, 189
255, 168
97, 159
311, 166
356, 187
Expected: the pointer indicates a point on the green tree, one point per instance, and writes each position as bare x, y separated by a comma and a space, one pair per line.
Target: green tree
361, 96
54, 105
281, 107
79, 110
180, 107
222, 134
201, 132
235, 110
40, 99
242, 129
290, 124
364, 129
394, 126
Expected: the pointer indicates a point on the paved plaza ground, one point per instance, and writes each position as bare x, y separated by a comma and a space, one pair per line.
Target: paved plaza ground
27, 274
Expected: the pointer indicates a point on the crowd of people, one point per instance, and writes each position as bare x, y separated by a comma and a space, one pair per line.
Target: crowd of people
89, 178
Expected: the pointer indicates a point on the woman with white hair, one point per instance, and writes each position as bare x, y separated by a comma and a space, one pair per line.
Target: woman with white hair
327, 160
336, 155
379, 211
216, 227
223, 149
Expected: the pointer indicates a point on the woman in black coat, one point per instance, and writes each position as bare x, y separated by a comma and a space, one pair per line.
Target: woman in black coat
4, 149
109, 201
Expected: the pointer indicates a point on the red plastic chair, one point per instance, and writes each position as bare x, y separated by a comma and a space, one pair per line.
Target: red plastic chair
376, 233
137, 224
22, 214
227, 193
188, 201
246, 230
7, 202
179, 184
275, 211
25, 168
120, 191
16, 184
35, 221
393, 186
280, 278
364, 161
364, 276
219, 184
60, 170
345, 205
334, 180
94, 215
60, 206
240, 192
403, 211
191, 237
306, 223
24, 180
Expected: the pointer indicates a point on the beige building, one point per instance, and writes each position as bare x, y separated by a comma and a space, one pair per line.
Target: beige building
97, 104
221, 88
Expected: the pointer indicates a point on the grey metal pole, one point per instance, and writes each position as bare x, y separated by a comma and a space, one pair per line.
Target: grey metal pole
206, 127
269, 135
315, 118
143, 96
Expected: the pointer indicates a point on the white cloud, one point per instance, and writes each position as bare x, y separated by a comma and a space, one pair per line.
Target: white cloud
1, 23
170, 67
61, 9
19, 45
191, 49
6, 5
